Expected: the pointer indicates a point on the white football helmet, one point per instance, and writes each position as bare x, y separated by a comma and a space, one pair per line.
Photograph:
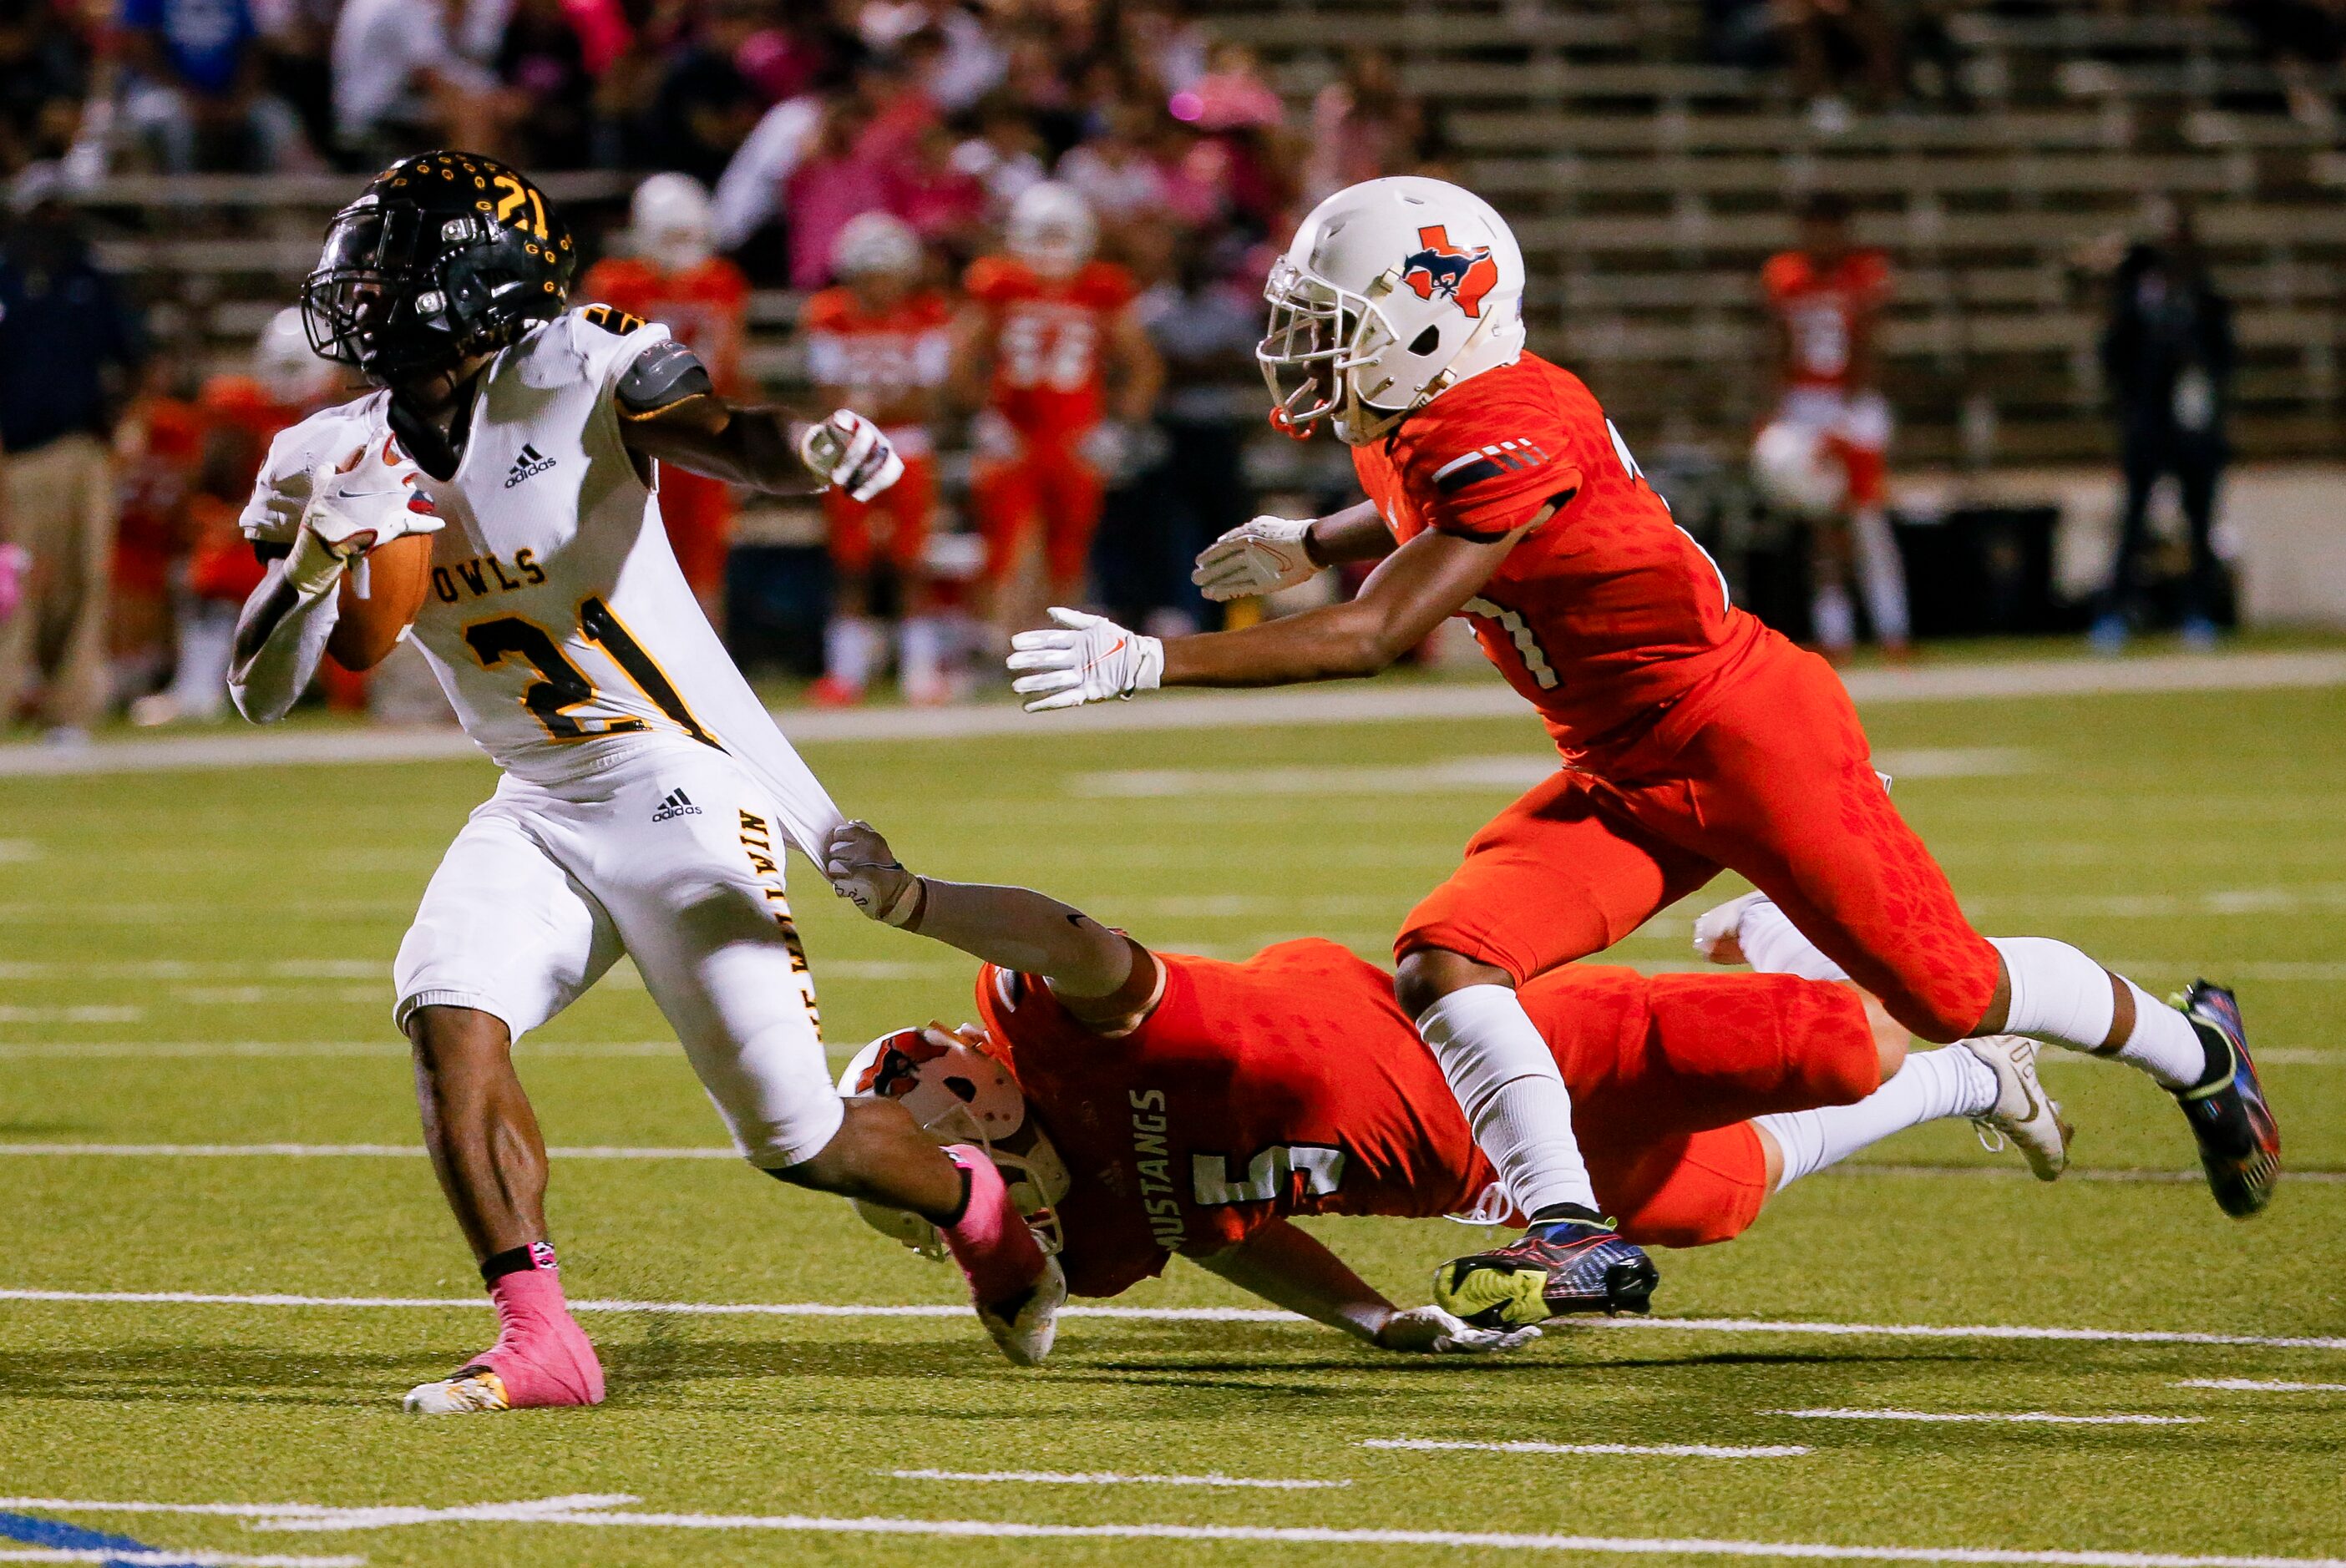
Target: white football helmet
671, 222
288, 369
958, 1094
1795, 472
1051, 228
1393, 291
875, 244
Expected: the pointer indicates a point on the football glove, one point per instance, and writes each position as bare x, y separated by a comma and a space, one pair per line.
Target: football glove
355, 507
848, 453
864, 871
1432, 1331
1090, 660
1262, 557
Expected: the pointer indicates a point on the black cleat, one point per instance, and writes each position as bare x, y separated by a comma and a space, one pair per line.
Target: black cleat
2240, 1141
1565, 1266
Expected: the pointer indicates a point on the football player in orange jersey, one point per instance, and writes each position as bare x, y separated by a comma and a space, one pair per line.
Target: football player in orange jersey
1205, 1104
1050, 350
1693, 738
880, 343
1827, 298
240, 416
674, 276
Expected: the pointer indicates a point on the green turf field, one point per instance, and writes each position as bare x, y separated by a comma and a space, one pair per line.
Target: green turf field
200, 958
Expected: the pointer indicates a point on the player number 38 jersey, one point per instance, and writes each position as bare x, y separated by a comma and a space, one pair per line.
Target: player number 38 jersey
558, 623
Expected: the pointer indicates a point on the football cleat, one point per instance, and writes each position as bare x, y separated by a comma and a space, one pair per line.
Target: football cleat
1565, 1265
468, 1393
1718, 932
2240, 1141
1025, 1325
2023, 1114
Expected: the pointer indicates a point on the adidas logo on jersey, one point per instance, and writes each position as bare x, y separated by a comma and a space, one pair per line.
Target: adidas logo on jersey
529, 464
672, 805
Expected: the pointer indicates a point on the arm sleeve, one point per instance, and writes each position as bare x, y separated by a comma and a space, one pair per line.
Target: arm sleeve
268, 685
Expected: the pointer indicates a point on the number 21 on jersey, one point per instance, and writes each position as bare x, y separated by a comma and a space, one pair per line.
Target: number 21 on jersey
561, 687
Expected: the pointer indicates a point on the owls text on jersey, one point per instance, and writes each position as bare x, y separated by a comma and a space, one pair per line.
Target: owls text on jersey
559, 622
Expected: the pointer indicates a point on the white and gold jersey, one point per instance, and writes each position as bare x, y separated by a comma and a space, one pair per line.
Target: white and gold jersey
559, 622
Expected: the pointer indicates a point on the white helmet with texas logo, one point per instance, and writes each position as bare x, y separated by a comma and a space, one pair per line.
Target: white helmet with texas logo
1393, 291
959, 1093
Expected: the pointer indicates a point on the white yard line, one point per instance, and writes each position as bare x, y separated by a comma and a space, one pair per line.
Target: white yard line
1109, 1478
1208, 1315
2259, 1386
161, 1558
300, 1516
1395, 703
1660, 1450
2037, 1418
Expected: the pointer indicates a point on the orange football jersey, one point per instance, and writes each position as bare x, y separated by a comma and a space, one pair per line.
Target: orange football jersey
1604, 614
704, 308
884, 361
1049, 334
1823, 309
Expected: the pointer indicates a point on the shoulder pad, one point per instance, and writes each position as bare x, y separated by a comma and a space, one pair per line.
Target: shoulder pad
665, 373
612, 320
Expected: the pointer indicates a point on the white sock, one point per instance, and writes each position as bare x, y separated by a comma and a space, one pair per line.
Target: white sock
1772, 944
920, 650
2058, 994
1833, 618
1930, 1086
1880, 573
848, 642
1515, 1099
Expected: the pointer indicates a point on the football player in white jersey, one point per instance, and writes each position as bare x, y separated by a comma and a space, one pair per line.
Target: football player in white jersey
497, 500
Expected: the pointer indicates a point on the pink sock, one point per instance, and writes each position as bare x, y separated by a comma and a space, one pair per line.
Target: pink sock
991, 1241
541, 1355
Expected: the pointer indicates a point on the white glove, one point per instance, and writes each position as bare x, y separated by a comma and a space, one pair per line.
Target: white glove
353, 508
1433, 1332
1091, 660
848, 453
1262, 557
865, 871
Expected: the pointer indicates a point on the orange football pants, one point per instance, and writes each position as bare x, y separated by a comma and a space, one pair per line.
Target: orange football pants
903, 509
1667, 1072
1050, 483
1768, 775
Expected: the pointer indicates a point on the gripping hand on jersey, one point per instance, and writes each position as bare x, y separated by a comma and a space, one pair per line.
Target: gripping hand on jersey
1262, 557
1432, 1331
848, 453
356, 506
865, 871
1089, 659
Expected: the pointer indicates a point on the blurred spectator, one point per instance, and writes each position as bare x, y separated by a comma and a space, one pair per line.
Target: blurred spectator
879, 344
1363, 126
2166, 354
545, 106
400, 84
945, 204
44, 79
971, 60
1242, 119
1113, 170
671, 274
704, 106
1839, 48
1163, 44
749, 194
1005, 156
194, 95
832, 183
67, 340
2304, 39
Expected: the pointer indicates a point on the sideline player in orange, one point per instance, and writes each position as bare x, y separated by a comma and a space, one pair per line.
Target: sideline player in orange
1827, 298
1207, 1104
881, 343
1049, 350
1693, 738
674, 276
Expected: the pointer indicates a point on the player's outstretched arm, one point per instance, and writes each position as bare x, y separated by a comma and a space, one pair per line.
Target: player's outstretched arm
1288, 1267
1268, 554
1017, 928
669, 411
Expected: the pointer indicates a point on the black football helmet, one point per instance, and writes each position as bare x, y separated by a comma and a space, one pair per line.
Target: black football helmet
443, 255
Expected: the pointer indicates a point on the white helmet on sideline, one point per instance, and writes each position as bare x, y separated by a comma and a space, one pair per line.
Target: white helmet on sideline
671, 222
1795, 472
959, 1094
1051, 228
873, 244
1393, 291
288, 369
